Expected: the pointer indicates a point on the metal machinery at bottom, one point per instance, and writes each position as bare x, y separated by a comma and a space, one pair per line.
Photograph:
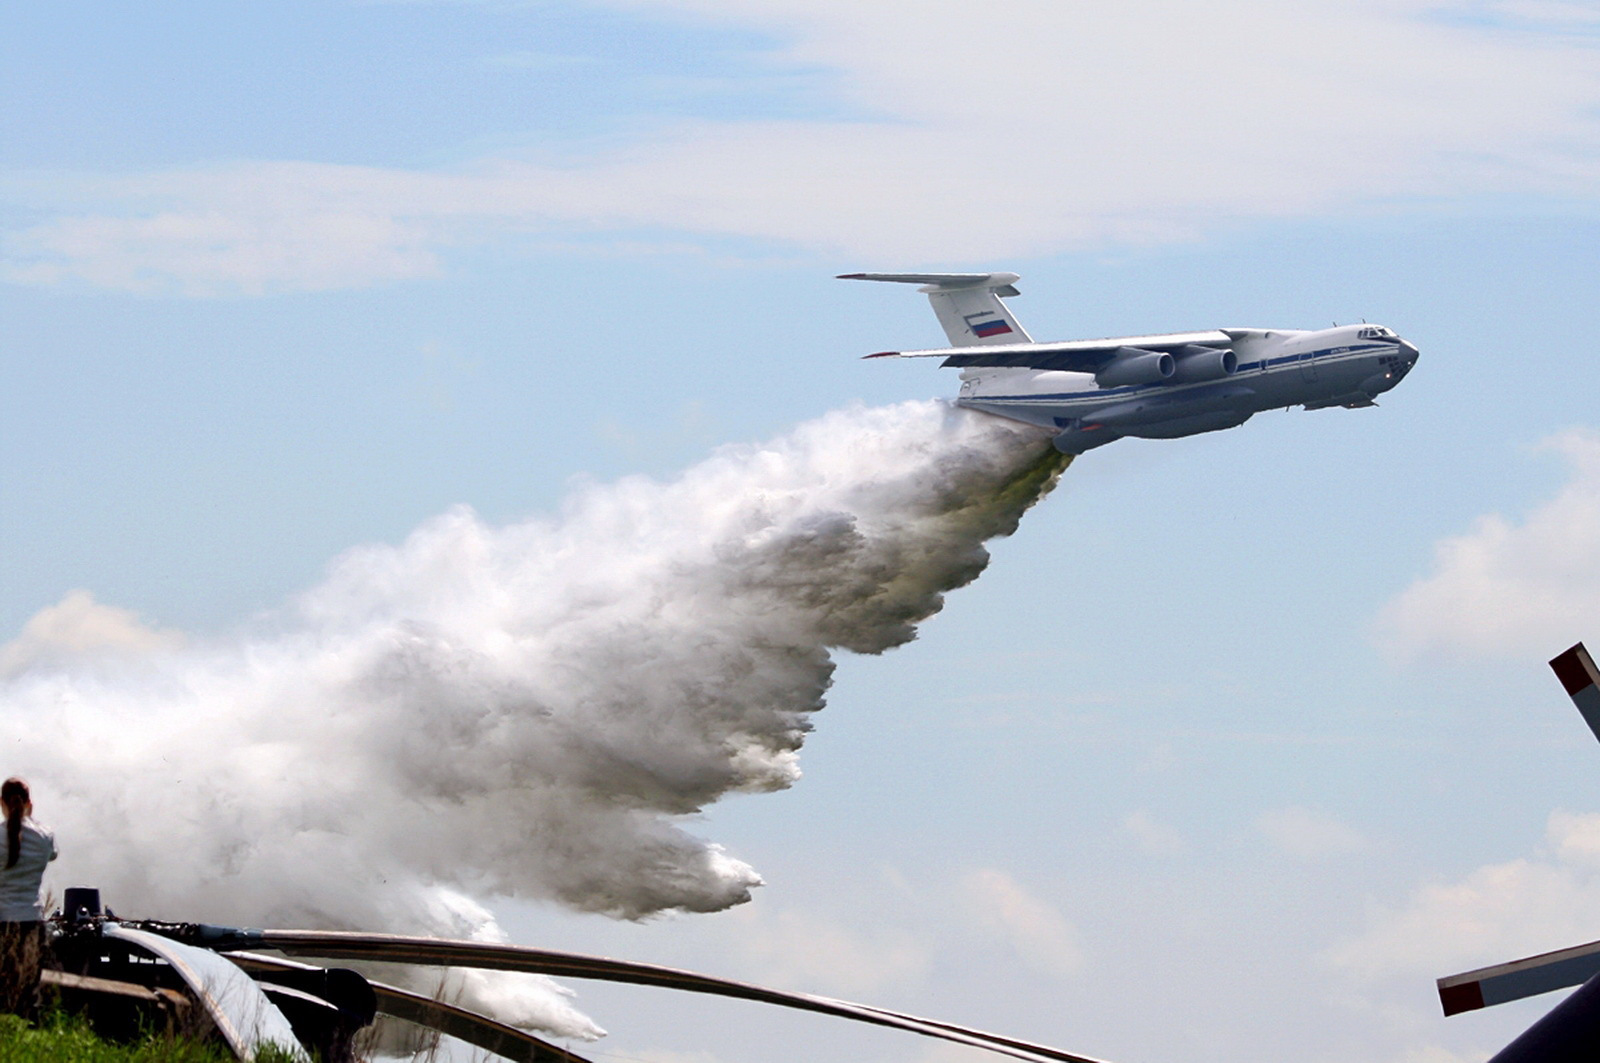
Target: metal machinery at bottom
1570, 1032
215, 981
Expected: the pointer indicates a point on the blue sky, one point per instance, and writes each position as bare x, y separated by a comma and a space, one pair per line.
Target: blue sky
1229, 725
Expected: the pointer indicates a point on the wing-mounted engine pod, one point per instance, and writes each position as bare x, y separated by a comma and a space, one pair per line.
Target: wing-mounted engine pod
1133, 365
1196, 363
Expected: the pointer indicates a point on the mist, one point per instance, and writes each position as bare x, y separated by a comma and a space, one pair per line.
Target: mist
523, 711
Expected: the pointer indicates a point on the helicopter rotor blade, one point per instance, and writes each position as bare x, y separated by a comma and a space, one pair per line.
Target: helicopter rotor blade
471, 1027
1577, 672
394, 948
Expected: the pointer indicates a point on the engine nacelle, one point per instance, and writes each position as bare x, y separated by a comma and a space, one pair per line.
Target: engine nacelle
1131, 365
1196, 363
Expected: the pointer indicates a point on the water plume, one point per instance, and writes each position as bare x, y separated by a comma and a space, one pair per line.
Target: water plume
522, 711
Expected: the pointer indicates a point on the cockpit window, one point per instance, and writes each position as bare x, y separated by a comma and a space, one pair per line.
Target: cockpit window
1376, 332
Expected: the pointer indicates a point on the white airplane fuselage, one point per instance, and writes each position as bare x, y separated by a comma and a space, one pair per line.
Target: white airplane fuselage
1349, 365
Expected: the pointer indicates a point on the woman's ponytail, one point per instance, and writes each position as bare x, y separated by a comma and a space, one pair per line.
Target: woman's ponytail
15, 800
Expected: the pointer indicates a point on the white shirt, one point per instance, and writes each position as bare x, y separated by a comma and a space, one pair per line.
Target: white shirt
19, 884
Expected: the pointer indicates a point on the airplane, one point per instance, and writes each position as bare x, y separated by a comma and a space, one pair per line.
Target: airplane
1094, 392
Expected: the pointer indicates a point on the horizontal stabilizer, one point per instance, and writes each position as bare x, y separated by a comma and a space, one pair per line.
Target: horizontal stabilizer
944, 281
967, 304
1529, 977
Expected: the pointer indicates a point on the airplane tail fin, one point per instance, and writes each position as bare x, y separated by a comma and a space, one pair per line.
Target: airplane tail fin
967, 304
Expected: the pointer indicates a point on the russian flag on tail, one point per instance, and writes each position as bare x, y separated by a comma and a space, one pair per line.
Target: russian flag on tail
984, 329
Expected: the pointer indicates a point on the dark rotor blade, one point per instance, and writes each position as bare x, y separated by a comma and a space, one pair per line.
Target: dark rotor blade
394, 948
1578, 674
475, 1029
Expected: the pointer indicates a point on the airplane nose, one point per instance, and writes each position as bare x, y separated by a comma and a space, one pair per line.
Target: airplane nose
1408, 352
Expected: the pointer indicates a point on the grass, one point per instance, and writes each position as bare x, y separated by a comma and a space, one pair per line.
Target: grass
68, 1039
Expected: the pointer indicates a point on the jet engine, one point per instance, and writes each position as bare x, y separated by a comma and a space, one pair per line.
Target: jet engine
1196, 363
1131, 365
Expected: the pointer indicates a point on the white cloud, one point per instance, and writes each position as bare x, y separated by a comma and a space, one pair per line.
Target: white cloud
1510, 587
1309, 835
662, 1055
1434, 1054
1547, 14
945, 1052
1497, 913
1040, 936
1060, 125
78, 627
801, 950
1575, 838
535, 60
1153, 836
252, 228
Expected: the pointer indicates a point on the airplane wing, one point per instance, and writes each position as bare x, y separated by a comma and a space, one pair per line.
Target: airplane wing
1077, 356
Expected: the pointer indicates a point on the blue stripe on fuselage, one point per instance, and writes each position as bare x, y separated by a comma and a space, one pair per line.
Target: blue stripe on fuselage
1303, 358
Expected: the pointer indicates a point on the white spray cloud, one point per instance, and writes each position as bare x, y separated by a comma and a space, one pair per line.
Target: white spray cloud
1511, 587
527, 711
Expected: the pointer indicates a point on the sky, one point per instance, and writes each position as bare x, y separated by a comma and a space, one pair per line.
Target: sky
1240, 741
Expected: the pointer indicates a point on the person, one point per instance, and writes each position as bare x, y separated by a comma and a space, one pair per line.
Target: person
29, 848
